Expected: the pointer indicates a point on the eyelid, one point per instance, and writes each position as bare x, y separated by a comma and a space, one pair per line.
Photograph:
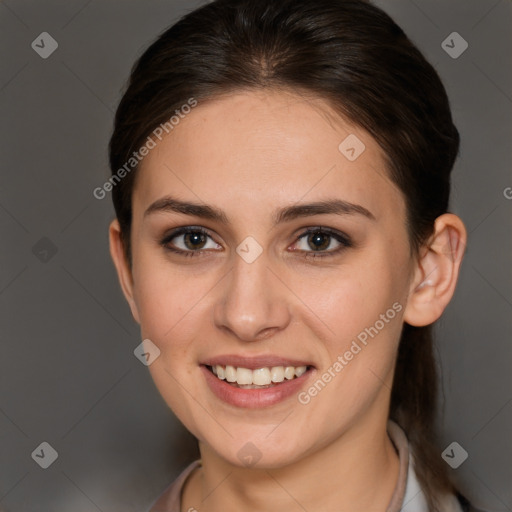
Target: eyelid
176, 232
326, 231
344, 240
185, 229
339, 236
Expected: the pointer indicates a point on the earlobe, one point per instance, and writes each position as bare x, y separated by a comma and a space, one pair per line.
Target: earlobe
436, 272
124, 272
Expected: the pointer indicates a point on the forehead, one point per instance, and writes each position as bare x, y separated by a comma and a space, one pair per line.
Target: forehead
262, 148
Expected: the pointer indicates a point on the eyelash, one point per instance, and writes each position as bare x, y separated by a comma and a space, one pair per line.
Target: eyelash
344, 240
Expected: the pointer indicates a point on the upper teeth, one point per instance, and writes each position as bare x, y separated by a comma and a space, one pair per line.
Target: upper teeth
260, 376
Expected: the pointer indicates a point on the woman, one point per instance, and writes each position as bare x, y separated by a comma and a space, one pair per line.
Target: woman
281, 177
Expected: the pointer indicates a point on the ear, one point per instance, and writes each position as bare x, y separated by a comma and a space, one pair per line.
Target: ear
436, 272
124, 272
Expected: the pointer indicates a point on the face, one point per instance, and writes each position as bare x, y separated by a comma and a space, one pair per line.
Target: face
268, 282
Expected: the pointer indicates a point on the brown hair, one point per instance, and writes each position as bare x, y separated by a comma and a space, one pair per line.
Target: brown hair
353, 55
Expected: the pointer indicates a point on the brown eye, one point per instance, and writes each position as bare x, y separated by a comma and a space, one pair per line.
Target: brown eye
193, 241
319, 240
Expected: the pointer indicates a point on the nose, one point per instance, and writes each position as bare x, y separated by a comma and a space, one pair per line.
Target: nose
253, 304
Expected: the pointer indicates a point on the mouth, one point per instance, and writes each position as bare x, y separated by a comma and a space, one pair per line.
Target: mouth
257, 378
256, 382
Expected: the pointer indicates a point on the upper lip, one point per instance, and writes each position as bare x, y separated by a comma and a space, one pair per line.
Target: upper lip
252, 363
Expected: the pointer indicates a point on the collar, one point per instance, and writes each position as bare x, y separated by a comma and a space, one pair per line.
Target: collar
407, 497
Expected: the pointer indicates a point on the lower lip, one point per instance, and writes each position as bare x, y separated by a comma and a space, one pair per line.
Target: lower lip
254, 398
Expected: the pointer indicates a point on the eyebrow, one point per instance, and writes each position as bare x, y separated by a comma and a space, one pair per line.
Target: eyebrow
288, 213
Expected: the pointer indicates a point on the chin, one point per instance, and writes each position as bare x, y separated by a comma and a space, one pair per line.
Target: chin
259, 453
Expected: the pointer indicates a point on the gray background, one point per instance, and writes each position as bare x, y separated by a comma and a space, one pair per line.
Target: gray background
68, 375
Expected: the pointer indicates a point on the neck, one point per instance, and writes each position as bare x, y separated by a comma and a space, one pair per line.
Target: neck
358, 471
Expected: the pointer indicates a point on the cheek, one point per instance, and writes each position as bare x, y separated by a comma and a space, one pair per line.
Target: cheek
164, 297
170, 307
175, 308
362, 307
352, 299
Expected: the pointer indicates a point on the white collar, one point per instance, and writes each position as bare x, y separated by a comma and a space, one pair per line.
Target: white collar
414, 498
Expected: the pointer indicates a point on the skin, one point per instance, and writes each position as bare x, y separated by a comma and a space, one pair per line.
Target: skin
249, 154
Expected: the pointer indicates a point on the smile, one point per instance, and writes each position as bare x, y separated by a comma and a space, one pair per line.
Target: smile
258, 378
255, 383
